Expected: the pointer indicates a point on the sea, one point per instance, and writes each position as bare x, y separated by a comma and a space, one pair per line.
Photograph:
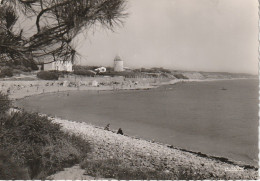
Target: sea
218, 118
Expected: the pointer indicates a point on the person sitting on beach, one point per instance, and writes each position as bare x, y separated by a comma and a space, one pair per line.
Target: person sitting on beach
107, 127
120, 131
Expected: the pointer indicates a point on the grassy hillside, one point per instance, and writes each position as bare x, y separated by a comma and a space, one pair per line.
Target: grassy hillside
33, 147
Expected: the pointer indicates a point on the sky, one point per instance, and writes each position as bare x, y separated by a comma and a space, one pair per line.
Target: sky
199, 35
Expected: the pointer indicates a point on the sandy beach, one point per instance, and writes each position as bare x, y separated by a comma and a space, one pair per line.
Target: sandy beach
21, 89
17, 89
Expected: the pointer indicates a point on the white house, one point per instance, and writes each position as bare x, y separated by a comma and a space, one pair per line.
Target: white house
62, 66
101, 69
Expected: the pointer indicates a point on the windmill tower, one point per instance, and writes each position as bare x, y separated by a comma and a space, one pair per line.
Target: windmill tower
118, 64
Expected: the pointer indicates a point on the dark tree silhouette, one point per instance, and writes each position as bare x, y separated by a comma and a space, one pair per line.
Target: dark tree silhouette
56, 23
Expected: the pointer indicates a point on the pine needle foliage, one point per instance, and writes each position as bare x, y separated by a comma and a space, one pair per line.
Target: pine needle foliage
56, 24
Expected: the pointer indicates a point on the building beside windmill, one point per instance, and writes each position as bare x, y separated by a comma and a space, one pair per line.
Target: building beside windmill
118, 64
58, 65
62, 66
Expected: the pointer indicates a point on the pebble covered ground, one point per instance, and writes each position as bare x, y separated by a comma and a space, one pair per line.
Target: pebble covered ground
73, 173
142, 153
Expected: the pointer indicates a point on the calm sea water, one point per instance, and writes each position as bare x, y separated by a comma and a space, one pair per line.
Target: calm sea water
218, 118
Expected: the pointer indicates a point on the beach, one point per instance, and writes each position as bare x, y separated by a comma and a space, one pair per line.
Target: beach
196, 116
141, 153
108, 145
21, 89
24, 86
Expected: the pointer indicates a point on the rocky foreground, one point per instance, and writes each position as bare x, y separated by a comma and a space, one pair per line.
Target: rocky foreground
141, 153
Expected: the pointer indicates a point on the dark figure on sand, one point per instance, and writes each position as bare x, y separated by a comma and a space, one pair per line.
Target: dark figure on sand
107, 127
120, 131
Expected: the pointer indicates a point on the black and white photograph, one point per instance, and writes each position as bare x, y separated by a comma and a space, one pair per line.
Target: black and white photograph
129, 89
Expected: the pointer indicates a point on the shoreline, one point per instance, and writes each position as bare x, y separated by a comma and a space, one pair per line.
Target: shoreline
198, 153
41, 88
105, 89
138, 152
23, 94
220, 161
107, 145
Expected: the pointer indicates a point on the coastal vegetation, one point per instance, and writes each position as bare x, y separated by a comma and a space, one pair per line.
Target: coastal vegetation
47, 75
180, 76
89, 71
6, 72
32, 147
130, 73
84, 70
5, 103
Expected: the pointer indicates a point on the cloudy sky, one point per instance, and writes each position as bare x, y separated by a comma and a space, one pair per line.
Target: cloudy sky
205, 35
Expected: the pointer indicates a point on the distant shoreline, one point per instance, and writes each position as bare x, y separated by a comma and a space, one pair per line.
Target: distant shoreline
22, 89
